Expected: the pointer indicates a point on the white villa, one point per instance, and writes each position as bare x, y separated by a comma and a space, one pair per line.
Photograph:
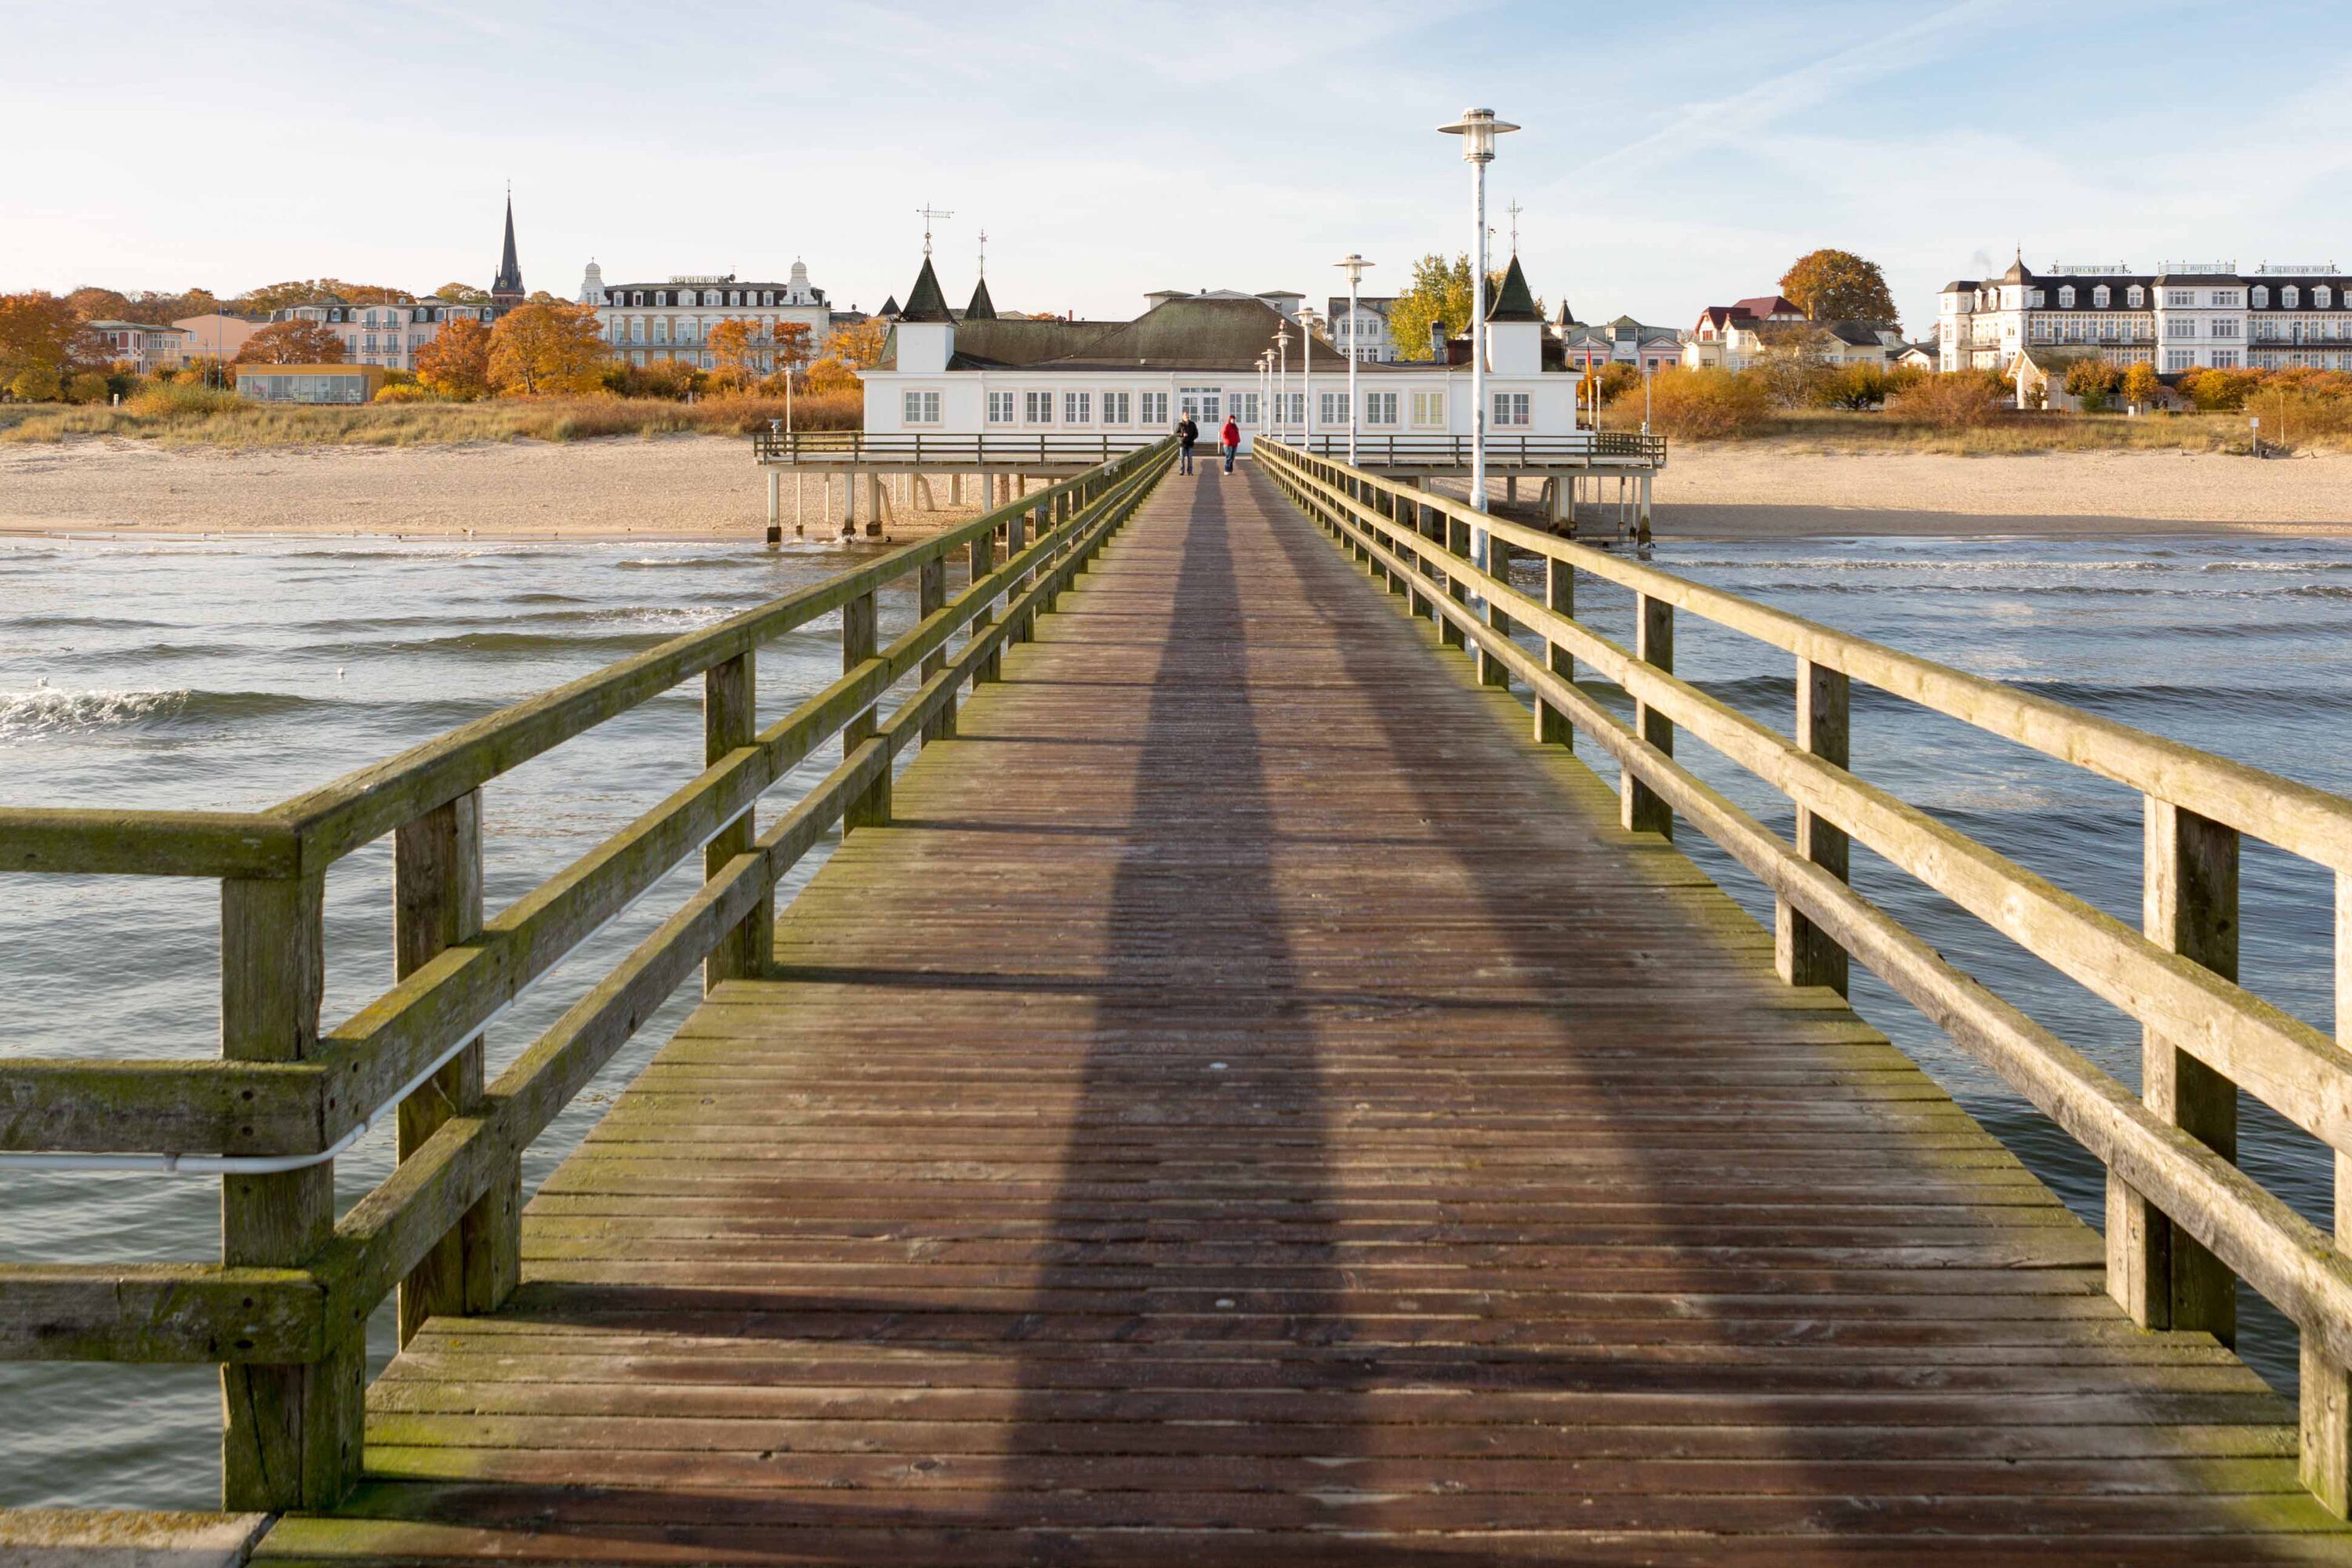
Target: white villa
672, 319
2182, 315
1128, 382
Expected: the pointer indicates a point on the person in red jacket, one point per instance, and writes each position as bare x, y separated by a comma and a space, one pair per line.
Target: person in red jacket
1230, 438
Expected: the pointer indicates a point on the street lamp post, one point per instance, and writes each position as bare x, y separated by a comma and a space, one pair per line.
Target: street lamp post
1264, 387
1354, 267
1282, 379
1305, 381
1478, 128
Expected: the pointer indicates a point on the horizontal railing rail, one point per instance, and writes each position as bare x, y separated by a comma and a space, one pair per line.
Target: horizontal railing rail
2183, 1222
1580, 448
915, 449
285, 1309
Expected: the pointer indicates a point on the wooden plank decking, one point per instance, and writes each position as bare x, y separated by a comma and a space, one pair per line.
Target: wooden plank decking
1255, 1107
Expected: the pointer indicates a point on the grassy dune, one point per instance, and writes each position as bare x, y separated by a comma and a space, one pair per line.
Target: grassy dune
227, 422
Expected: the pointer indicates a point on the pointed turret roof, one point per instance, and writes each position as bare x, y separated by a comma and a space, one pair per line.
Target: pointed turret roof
982, 307
1515, 301
925, 302
507, 285
889, 309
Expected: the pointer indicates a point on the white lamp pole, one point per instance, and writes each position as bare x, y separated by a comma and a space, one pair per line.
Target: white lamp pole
1264, 388
1478, 128
1354, 267
1306, 380
1282, 380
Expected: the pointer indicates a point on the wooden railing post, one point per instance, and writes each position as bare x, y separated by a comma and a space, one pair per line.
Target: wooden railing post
290, 1434
859, 623
2159, 1273
984, 562
1805, 955
1016, 540
1552, 727
1642, 809
436, 888
1493, 671
1456, 535
730, 720
2325, 1460
930, 598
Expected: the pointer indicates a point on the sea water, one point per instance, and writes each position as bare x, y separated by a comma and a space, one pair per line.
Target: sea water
234, 674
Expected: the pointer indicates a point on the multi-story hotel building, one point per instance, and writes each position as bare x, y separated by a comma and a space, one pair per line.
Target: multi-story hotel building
2182, 316
386, 335
672, 319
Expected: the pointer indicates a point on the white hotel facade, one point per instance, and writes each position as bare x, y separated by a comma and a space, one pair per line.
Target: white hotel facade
1196, 354
2182, 316
672, 319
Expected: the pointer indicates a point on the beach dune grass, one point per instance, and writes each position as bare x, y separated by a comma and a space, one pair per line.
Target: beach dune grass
204, 417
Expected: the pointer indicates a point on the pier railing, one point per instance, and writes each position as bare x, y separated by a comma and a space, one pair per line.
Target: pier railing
1578, 450
2184, 1223
947, 449
285, 1309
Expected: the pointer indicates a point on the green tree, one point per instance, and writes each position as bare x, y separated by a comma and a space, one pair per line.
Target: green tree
1440, 292
1839, 286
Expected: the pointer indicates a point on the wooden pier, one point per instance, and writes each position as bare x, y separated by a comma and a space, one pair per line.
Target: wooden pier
1246, 1092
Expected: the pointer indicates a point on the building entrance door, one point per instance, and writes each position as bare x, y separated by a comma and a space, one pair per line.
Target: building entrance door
1203, 402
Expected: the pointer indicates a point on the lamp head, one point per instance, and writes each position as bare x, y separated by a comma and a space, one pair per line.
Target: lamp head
1354, 267
1478, 128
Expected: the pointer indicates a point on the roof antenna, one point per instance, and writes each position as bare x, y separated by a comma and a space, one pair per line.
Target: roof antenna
1515, 210
928, 213
983, 253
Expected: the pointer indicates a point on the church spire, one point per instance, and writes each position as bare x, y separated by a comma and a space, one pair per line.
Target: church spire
506, 288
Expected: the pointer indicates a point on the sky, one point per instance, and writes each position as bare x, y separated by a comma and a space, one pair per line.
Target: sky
1674, 155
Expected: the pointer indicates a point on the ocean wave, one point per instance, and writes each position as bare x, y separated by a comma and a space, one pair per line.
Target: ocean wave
47, 710
680, 560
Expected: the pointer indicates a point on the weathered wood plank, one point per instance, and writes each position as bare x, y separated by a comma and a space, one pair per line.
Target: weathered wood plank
1252, 1101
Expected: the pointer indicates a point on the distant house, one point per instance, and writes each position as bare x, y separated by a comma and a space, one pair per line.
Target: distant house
1730, 336
1736, 336
389, 335
310, 383
1914, 356
1586, 345
672, 319
143, 346
1363, 333
216, 335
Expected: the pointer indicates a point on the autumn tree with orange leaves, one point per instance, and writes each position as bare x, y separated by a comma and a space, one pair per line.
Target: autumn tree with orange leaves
296, 341
547, 348
457, 364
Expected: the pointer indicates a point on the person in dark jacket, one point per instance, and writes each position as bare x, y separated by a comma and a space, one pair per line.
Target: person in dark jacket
1230, 438
1186, 433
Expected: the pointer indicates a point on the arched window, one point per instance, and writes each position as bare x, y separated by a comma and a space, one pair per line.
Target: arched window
2291, 297
2100, 296
2137, 298
2262, 297
2066, 298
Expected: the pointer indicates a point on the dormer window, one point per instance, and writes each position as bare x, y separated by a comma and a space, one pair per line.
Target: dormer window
2262, 297
2138, 298
2323, 297
2066, 298
2100, 296
2291, 297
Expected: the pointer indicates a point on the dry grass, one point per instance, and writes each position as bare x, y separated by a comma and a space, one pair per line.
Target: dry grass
207, 422
2011, 435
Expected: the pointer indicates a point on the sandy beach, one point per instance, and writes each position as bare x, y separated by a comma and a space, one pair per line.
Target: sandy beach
1762, 490
705, 487
665, 486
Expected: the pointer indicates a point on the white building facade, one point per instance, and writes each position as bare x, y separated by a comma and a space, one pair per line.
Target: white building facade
1362, 332
672, 319
389, 335
2182, 316
1197, 354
